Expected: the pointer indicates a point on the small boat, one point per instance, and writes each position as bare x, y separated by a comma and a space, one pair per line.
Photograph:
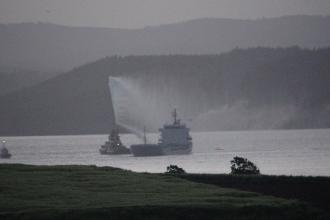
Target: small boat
114, 145
174, 140
4, 153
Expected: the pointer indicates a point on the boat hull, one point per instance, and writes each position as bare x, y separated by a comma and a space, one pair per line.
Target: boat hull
145, 150
114, 151
5, 156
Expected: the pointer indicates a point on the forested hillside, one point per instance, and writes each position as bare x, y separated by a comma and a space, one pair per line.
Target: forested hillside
58, 48
258, 88
13, 80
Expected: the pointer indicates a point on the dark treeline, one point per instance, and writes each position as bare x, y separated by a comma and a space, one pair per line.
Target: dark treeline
257, 88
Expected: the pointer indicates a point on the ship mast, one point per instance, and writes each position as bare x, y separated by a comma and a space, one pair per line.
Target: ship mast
174, 114
144, 135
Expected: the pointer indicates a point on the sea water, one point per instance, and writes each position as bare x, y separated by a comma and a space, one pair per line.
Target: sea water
279, 152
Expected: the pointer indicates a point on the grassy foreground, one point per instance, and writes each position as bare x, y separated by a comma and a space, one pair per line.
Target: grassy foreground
89, 192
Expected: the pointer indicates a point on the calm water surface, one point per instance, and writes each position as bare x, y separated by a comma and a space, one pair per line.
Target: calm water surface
289, 152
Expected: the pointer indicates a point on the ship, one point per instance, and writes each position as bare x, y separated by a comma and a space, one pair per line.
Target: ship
174, 140
4, 153
114, 145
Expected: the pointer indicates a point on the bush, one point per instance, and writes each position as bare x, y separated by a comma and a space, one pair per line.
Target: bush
240, 165
174, 169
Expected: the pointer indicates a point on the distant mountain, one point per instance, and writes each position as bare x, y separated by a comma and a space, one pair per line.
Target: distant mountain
52, 47
12, 80
256, 88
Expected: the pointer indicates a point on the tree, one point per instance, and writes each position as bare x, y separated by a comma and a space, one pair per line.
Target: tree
174, 169
240, 165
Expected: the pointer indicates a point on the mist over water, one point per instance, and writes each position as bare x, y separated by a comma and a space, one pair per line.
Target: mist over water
147, 101
126, 108
137, 106
240, 116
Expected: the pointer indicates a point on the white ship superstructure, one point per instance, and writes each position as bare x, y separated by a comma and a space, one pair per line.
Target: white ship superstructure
174, 139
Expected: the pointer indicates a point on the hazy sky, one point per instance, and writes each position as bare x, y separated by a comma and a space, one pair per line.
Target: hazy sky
141, 13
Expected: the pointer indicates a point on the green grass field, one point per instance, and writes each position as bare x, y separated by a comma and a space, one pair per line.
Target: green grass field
89, 192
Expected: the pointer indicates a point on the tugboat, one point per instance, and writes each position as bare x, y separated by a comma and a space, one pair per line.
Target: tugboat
4, 153
114, 145
174, 139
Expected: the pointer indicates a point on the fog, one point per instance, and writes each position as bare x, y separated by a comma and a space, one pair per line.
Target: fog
146, 102
53, 48
141, 13
137, 105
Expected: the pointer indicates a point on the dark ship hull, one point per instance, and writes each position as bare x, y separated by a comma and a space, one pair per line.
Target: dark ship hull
174, 140
144, 150
120, 150
5, 156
